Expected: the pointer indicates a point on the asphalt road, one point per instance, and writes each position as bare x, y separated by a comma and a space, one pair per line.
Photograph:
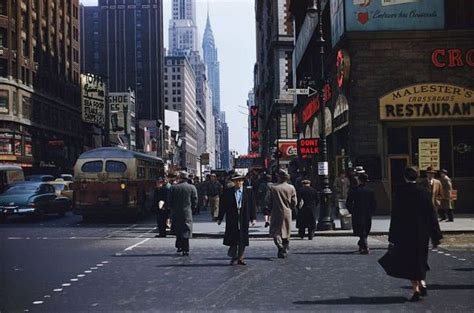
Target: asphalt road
62, 265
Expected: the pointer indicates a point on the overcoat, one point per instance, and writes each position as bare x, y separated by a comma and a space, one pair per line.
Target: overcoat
435, 190
412, 224
306, 217
236, 222
361, 204
182, 199
446, 202
282, 200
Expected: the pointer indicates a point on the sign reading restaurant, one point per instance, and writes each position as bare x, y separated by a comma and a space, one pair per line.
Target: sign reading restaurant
428, 101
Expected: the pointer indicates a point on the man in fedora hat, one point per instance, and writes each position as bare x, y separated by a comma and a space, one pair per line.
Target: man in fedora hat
282, 200
433, 186
213, 192
238, 208
182, 201
446, 207
308, 200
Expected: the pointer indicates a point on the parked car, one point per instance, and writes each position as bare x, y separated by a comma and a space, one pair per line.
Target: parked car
62, 187
38, 178
66, 177
9, 174
32, 198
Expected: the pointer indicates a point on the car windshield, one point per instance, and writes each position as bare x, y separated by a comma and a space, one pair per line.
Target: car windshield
21, 189
58, 187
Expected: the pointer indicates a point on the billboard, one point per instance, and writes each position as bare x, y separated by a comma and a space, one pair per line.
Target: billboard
93, 99
122, 115
376, 15
337, 20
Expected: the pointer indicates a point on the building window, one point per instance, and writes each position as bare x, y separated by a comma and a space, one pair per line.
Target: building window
3, 101
26, 107
3, 67
3, 37
3, 7
459, 14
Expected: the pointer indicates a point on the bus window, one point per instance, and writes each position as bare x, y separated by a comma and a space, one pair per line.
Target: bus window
115, 167
92, 167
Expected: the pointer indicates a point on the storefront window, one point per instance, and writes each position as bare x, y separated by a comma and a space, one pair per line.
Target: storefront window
6, 146
435, 132
28, 147
397, 140
18, 147
463, 147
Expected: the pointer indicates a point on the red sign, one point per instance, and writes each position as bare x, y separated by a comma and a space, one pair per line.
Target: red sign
343, 66
56, 142
254, 133
308, 147
311, 109
452, 58
327, 92
288, 148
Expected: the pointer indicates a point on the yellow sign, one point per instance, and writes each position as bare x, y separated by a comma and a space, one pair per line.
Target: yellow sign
8, 157
428, 153
428, 101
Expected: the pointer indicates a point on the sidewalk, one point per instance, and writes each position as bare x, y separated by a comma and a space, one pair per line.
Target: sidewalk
204, 227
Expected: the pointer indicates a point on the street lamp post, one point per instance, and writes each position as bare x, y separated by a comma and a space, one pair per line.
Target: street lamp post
325, 221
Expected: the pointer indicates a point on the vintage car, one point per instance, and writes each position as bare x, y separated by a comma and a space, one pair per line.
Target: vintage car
62, 187
39, 178
32, 198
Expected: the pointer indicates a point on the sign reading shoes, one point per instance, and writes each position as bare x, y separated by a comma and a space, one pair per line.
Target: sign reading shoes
428, 101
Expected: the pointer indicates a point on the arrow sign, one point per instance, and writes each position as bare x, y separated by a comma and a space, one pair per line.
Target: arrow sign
302, 92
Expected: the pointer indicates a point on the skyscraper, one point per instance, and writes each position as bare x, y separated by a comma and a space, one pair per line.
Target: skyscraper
123, 40
212, 63
183, 37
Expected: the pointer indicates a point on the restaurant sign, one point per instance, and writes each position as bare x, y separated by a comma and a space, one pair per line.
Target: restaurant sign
427, 101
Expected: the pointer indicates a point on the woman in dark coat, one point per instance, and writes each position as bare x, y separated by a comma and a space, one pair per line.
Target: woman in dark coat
238, 208
412, 225
306, 217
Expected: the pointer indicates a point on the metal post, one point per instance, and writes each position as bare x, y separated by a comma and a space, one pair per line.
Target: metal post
325, 221
125, 125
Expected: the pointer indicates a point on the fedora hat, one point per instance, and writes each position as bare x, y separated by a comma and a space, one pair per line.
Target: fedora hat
430, 170
283, 173
237, 177
444, 171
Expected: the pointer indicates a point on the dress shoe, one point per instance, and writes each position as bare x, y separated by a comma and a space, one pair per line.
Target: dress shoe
449, 221
267, 224
232, 262
416, 297
179, 250
365, 251
185, 253
423, 291
242, 262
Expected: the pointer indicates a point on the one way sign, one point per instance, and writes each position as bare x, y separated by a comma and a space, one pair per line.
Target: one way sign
302, 92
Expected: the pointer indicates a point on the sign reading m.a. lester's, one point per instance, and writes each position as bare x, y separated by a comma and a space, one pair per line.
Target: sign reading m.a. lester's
428, 101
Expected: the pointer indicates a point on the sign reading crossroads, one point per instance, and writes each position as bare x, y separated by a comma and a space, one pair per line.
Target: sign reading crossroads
428, 101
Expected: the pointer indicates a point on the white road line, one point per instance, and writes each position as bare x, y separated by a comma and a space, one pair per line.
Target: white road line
136, 245
81, 275
37, 302
88, 271
47, 296
462, 259
100, 264
104, 262
447, 254
58, 289
66, 285
74, 279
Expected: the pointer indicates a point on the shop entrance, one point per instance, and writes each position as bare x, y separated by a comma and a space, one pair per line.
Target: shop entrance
396, 168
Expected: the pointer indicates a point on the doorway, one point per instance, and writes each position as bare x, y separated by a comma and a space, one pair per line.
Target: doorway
397, 165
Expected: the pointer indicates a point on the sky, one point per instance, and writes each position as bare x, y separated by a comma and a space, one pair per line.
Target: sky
233, 24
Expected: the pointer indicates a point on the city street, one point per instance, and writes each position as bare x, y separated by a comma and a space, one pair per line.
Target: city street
62, 265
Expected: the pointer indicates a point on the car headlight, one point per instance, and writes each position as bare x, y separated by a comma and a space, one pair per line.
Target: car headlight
123, 186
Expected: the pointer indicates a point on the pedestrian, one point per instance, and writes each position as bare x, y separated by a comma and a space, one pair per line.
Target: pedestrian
308, 200
201, 194
282, 200
434, 187
446, 205
341, 190
361, 204
237, 207
214, 189
161, 206
413, 223
182, 201
263, 189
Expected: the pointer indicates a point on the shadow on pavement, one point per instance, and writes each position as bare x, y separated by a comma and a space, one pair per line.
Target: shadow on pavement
470, 269
327, 252
146, 255
249, 258
356, 300
446, 287
197, 265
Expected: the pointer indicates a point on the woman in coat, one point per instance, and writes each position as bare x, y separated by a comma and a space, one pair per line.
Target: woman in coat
412, 225
308, 200
239, 210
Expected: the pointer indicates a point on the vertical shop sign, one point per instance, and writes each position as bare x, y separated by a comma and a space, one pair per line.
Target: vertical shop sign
428, 153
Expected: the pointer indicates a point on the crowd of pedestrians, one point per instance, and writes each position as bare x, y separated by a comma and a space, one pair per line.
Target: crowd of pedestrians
237, 200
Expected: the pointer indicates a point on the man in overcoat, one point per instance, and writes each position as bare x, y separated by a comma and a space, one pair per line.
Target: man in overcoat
282, 200
412, 224
446, 207
237, 206
434, 187
182, 201
213, 192
308, 200
361, 204
161, 205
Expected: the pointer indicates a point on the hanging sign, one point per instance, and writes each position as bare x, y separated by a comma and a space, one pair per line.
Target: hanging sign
254, 133
428, 153
323, 168
93, 99
308, 147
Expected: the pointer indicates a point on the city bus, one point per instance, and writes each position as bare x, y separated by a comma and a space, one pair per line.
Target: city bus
115, 181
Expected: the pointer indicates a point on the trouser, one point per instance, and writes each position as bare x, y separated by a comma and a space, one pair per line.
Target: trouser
161, 217
446, 212
214, 205
236, 252
301, 232
283, 244
363, 242
182, 244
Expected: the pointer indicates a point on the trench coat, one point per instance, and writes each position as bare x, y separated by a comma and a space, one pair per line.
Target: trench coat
236, 222
446, 202
435, 190
182, 200
413, 223
361, 204
281, 199
306, 217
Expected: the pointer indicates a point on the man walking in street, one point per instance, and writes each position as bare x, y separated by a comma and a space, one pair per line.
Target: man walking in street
282, 200
308, 200
237, 207
361, 204
161, 205
434, 187
446, 207
182, 201
214, 189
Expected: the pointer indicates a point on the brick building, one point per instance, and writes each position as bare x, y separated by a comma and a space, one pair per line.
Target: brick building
399, 89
